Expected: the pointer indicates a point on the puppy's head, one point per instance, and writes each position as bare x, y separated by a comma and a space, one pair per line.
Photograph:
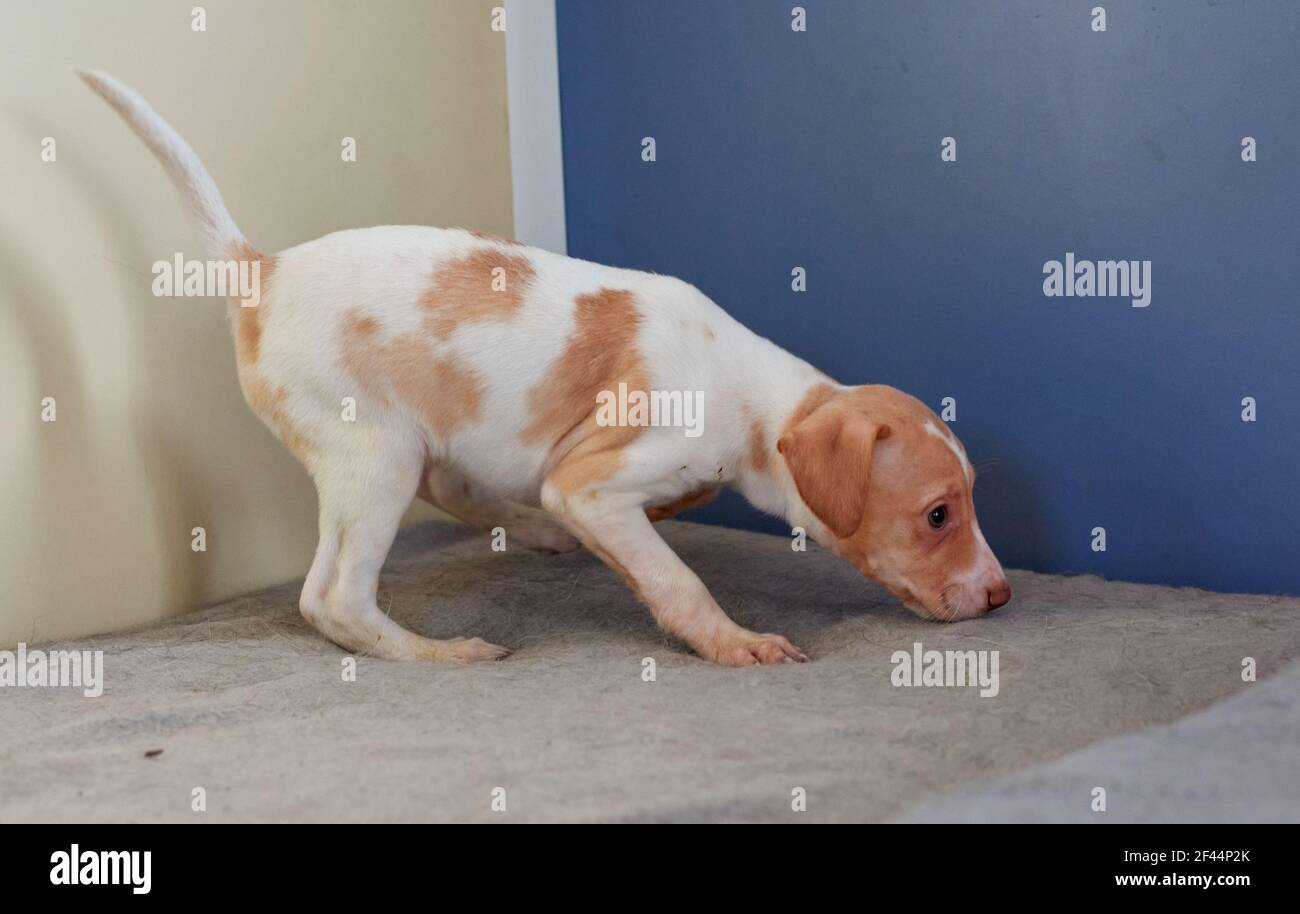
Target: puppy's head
893, 487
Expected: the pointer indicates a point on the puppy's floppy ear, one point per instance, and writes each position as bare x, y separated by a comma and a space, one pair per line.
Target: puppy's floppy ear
829, 455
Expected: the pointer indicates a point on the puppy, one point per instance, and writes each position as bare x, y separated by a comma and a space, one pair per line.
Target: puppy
479, 370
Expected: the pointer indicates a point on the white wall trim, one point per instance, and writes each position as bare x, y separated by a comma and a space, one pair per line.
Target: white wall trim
536, 154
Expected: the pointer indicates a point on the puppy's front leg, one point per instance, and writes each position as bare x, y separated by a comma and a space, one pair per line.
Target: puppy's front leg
614, 526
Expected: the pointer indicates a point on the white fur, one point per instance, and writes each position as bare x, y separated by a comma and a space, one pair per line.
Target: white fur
948, 438
200, 192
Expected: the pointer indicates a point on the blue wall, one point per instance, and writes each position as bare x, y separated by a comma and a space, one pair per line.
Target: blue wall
821, 149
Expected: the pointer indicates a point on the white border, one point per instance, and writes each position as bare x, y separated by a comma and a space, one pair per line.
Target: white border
536, 154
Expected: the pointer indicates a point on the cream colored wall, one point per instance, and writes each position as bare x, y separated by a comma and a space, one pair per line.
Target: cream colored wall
152, 437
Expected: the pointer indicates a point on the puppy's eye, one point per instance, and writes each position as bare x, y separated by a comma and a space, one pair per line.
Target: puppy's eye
938, 516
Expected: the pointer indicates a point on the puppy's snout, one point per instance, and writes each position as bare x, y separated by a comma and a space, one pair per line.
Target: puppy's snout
1000, 594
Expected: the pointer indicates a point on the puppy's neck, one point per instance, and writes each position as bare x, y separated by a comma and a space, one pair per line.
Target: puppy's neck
782, 387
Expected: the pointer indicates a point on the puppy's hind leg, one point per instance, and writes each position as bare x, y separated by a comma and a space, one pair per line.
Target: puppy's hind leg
445, 488
363, 493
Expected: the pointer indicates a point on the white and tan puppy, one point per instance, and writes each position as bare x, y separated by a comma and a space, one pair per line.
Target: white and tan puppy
477, 366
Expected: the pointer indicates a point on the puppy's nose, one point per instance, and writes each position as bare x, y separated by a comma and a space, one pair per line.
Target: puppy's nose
1000, 595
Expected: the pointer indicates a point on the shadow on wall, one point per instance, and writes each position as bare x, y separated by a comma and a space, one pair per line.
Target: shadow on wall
74, 561
62, 450
74, 448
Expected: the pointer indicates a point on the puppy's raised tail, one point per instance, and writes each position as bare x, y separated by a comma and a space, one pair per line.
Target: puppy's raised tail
221, 237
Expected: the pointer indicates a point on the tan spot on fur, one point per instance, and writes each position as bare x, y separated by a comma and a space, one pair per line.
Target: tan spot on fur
441, 391
247, 322
816, 396
486, 285
601, 353
268, 403
827, 445
686, 502
757, 446
362, 326
362, 355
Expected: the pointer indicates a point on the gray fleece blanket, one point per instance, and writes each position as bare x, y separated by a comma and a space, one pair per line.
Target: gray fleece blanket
243, 710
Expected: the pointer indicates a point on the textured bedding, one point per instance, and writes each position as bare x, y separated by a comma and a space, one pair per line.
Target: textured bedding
253, 713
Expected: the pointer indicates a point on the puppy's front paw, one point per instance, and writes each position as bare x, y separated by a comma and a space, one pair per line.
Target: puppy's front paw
747, 649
